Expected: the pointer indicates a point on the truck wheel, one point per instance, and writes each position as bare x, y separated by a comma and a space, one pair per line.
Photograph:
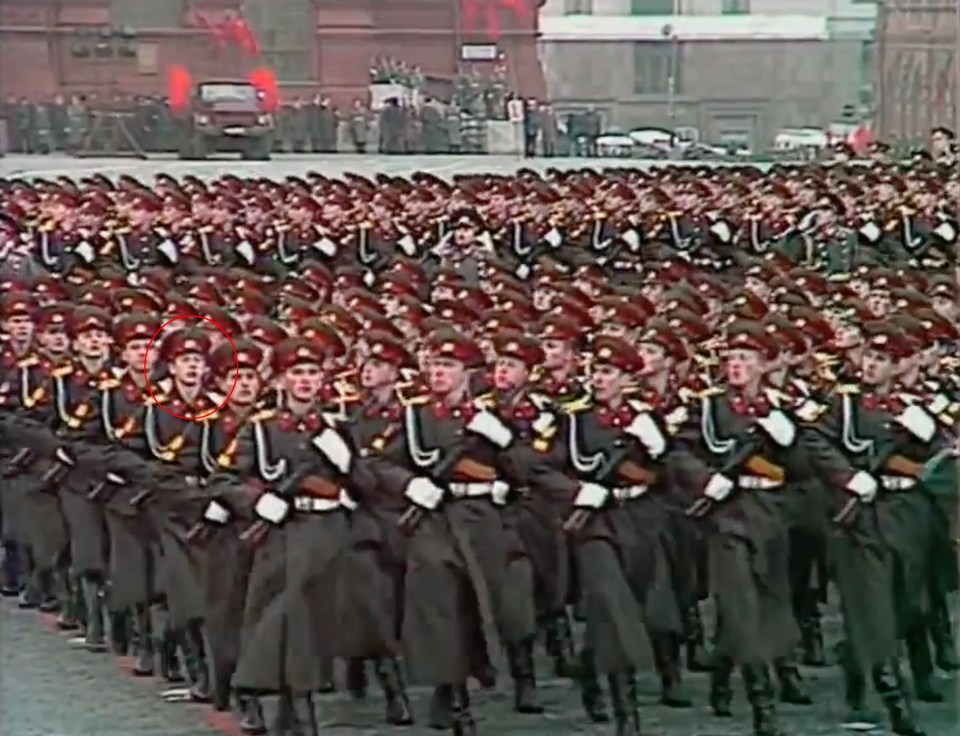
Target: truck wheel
200, 148
256, 149
185, 150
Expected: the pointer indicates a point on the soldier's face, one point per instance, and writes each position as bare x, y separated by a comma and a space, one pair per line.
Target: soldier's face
248, 386
744, 367
54, 340
557, 354
655, 359
509, 373
377, 374
608, 382
303, 381
878, 302
947, 308
18, 327
464, 235
189, 369
134, 353
876, 367
92, 343
447, 376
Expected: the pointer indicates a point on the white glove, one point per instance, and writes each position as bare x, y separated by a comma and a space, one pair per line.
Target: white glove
591, 496
488, 425
499, 492
270, 507
424, 493
646, 430
863, 485
718, 487
216, 513
779, 427
918, 422
334, 448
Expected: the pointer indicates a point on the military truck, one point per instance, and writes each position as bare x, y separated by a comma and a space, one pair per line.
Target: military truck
226, 117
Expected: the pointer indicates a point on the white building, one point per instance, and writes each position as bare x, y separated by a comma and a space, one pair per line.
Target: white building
735, 69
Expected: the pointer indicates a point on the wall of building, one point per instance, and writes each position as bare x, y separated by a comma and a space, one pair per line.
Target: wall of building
782, 64
918, 79
830, 8
756, 87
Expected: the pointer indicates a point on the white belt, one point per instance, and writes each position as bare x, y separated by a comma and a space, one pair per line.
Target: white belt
757, 483
470, 490
629, 492
897, 482
312, 505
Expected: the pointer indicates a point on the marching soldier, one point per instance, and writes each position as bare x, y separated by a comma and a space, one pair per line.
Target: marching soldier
747, 448
371, 590
879, 440
290, 628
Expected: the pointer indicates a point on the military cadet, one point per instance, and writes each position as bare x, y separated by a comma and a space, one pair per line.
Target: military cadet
21, 362
234, 443
457, 541
173, 438
746, 440
290, 626
76, 394
121, 402
879, 439
371, 583
519, 358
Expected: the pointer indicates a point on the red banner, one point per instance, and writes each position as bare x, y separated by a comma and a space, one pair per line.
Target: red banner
487, 15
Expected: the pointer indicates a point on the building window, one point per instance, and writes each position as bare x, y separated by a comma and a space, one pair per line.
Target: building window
578, 7
653, 7
654, 63
735, 7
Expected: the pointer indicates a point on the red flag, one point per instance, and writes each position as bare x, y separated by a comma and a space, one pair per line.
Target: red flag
179, 88
247, 38
265, 82
859, 139
521, 10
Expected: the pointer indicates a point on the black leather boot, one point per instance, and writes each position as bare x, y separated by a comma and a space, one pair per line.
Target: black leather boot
760, 693
357, 677
941, 633
198, 668
69, 616
390, 677
463, 722
698, 659
791, 688
170, 669
666, 658
94, 639
221, 674
591, 694
721, 691
623, 696
10, 570
326, 675
560, 645
143, 665
889, 686
812, 641
252, 721
441, 708
520, 656
120, 633
921, 666
855, 694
